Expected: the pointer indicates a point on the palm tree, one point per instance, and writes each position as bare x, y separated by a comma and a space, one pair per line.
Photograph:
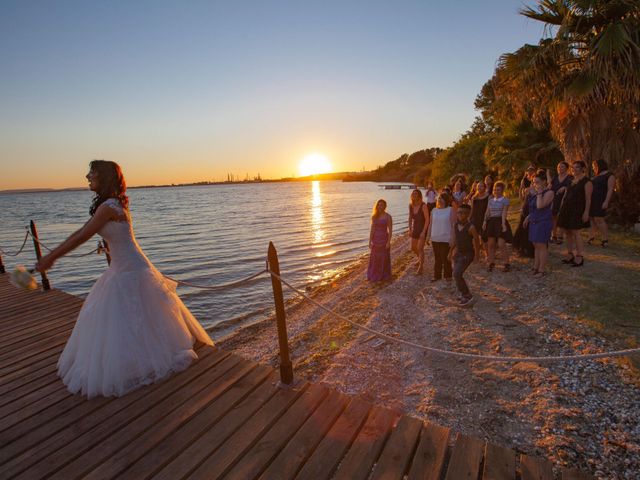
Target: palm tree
582, 82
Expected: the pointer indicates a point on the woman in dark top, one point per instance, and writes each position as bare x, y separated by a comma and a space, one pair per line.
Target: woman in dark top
562, 179
418, 225
479, 203
521, 238
603, 184
574, 212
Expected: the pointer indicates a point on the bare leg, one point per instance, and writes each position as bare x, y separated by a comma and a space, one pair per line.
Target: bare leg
570, 242
542, 253
579, 243
602, 226
491, 252
504, 253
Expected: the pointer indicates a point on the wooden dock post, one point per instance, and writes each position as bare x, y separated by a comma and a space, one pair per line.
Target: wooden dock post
36, 245
2, 270
286, 369
105, 246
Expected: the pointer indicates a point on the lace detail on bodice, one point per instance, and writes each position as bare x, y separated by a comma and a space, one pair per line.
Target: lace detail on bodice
115, 205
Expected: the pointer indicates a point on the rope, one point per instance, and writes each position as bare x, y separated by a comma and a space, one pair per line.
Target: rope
217, 287
468, 356
98, 249
24, 242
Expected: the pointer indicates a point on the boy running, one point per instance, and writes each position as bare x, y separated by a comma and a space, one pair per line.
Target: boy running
465, 241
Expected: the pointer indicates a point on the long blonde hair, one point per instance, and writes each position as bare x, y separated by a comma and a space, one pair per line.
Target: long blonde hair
374, 214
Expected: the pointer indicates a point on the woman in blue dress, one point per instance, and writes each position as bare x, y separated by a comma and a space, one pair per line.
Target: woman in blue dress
380, 243
540, 221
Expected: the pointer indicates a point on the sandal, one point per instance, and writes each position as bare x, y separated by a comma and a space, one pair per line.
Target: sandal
576, 264
559, 241
605, 243
490, 267
507, 267
590, 241
569, 260
540, 274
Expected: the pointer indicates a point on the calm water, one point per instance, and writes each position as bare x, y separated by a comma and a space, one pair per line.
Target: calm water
215, 234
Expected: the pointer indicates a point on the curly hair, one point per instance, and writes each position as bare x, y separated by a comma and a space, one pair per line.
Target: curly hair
111, 184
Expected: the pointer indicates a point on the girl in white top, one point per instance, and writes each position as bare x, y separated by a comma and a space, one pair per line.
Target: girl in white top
496, 227
441, 235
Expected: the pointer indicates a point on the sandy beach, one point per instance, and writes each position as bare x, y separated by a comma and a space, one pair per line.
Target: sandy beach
579, 414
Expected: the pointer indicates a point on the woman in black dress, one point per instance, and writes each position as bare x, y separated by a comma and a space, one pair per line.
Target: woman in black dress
418, 225
603, 184
574, 212
479, 203
562, 179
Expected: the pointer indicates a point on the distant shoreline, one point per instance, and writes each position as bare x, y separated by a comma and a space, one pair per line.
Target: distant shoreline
344, 176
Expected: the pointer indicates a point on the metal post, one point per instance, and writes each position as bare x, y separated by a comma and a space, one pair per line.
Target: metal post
36, 246
286, 369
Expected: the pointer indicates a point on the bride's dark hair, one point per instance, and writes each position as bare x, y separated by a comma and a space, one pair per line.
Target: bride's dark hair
111, 184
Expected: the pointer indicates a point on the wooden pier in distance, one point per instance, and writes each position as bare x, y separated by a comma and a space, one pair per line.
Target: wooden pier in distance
224, 417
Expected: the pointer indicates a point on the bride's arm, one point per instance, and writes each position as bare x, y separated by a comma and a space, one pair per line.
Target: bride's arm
99, 219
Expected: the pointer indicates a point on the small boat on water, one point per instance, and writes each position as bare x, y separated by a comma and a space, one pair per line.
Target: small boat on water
398, 186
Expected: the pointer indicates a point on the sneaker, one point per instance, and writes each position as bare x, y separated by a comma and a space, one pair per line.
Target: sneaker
465, 301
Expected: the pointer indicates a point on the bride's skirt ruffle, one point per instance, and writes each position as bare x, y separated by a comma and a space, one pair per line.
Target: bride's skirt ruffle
132, 330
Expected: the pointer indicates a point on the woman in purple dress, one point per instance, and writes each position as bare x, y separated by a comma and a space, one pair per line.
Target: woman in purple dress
540, 221
380, 244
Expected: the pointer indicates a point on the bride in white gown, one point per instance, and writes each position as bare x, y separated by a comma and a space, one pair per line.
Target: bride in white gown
132, 329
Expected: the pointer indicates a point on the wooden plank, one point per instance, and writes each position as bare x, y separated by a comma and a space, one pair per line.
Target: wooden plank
243, 377
499, 463
56, 349
34, 401
54, 321
28, 310
30, 349
256, 459
30, 368
234, 447
364, 452
28, 343
572, 474
16, 393
16, 326
466, 458
52, 444
202, 434
398, 451
326, 457
80, 464
46, 369
11, 339
291, 458
535, 468
428, 461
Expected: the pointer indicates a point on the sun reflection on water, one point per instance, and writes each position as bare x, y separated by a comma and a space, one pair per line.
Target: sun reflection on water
317, 214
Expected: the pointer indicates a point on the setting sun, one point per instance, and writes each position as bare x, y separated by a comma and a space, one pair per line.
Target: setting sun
314, 164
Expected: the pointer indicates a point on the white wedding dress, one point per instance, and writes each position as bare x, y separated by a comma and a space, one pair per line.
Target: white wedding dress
132, 329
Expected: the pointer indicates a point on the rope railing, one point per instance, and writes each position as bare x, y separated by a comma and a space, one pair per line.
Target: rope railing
467, 356
99, 249
24, 242
222, 286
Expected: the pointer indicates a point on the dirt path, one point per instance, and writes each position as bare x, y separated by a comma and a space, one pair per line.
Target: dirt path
577, 414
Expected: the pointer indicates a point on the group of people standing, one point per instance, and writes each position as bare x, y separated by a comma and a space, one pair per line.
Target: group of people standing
463, 225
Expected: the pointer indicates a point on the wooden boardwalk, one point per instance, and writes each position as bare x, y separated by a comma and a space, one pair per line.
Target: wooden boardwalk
224, 417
